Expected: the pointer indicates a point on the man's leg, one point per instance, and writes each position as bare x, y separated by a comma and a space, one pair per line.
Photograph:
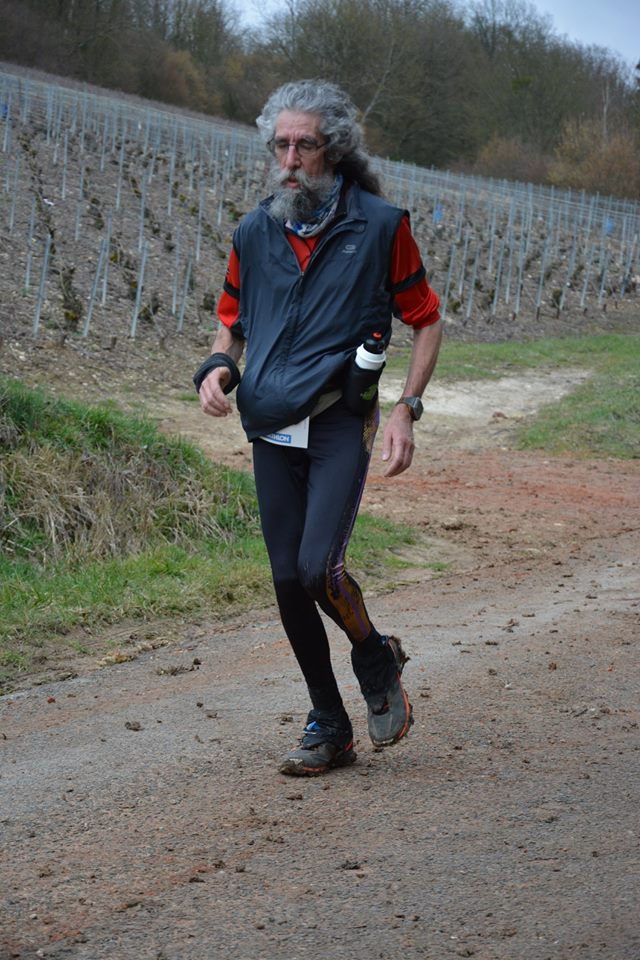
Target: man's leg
339, 453
281, 481
281, 475
308, 501
340, 445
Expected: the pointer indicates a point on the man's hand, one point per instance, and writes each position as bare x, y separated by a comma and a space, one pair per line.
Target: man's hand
398, 444
212, 399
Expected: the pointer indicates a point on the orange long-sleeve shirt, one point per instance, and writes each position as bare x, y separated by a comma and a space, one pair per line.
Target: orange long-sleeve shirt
414, 302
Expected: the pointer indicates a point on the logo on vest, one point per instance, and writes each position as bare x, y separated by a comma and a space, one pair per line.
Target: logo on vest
349, 248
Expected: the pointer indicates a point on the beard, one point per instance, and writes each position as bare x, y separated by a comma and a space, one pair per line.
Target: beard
298, 205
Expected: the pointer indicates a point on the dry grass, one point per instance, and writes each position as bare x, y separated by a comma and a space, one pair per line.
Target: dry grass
91, 483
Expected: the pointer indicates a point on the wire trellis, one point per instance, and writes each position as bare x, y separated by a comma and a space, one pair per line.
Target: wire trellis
115, 200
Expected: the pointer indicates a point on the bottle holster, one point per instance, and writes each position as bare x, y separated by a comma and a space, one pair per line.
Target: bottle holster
360, 387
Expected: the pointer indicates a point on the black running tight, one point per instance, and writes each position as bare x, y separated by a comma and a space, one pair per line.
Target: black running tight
308, 502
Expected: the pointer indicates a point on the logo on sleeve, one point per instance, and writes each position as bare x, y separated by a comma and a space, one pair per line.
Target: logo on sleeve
349, 248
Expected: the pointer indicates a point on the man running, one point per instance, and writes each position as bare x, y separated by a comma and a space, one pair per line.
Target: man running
318, 268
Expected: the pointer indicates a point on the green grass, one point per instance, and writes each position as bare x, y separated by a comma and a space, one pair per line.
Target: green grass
601, 418
468, 361
489, 361
104, 520
164, 580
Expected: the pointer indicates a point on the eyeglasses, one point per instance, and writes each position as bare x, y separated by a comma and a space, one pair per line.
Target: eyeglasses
305, 147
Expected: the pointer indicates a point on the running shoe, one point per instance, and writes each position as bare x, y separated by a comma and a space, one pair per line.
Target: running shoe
327, 741
390, 714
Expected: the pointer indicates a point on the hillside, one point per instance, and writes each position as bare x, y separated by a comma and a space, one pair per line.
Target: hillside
119, 216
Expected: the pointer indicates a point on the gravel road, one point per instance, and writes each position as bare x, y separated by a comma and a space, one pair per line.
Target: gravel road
142, 817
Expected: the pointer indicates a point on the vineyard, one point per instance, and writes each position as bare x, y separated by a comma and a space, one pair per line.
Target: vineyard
117, 219
155, 691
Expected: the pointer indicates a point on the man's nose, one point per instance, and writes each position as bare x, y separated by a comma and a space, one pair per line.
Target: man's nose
292, 157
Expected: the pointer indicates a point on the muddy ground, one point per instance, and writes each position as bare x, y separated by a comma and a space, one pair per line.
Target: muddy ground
143, 817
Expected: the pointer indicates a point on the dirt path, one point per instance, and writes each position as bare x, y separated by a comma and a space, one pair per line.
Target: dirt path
141, 816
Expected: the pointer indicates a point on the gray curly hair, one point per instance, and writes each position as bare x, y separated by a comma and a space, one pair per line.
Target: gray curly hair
338, 122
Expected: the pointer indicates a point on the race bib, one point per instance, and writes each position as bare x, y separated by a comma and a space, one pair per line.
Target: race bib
297, 435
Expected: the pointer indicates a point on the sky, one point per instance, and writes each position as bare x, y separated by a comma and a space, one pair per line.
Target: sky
609, 23
614, 24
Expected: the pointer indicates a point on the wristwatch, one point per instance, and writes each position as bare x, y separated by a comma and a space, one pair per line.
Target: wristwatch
414, 404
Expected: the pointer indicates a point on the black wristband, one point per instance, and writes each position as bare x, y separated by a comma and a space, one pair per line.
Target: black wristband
218, 360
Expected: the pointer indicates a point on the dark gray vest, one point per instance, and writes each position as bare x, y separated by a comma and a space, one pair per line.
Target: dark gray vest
302, 328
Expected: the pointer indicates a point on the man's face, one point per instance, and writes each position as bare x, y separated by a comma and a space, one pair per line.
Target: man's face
301, 178
291, 128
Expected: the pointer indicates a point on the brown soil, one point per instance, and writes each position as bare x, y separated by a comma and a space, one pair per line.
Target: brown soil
143, 816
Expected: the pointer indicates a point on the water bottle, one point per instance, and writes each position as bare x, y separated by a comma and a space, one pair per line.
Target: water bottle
361, 383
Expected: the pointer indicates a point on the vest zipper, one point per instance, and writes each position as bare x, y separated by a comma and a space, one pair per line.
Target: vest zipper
332, 232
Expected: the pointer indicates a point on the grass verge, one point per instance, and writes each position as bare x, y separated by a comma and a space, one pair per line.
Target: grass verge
601, 418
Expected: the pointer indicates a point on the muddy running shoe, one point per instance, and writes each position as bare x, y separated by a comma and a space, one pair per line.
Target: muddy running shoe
389, 712
327, 741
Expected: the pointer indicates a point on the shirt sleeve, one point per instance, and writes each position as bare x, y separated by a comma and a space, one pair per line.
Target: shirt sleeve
414, 302
229, 303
